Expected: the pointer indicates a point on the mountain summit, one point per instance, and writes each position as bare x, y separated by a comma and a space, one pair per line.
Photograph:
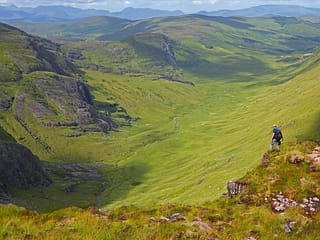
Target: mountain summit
60, 14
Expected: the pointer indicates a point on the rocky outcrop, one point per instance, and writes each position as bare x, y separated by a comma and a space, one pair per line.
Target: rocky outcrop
52, 96
19, 168
5, 101
315, 159
74, 100
310, 205
235, 187
280, 203
60, 124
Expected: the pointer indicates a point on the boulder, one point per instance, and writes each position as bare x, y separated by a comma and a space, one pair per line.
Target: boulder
235, 188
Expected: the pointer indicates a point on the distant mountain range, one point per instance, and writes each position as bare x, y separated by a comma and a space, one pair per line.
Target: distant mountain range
265, 10
66, 14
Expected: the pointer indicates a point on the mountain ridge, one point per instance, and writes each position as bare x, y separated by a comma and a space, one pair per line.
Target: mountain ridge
265, 10
241, 68
67, 14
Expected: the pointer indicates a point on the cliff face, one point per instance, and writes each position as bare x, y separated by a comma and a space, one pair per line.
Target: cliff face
19, 168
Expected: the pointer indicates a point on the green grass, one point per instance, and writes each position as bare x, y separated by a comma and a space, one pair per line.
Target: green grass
187, 141
210, 133
247, 215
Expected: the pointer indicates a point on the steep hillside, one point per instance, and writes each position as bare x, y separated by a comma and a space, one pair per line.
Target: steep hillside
19, 168
192, 146
22, 53
178, 143
277, 200
233, 49
42, 88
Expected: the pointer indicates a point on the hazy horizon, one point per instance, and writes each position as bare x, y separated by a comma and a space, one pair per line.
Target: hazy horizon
182, 5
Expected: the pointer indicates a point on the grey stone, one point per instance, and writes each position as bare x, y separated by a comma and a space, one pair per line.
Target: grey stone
164, 220
234, 188
177, 217
287, 229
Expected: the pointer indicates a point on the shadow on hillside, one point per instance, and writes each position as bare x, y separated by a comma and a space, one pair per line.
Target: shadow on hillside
121, 181
81, 185
230, 68
313, 132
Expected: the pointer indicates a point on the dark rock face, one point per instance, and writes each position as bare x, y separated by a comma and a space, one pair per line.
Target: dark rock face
5, 101
19, 168
74, 100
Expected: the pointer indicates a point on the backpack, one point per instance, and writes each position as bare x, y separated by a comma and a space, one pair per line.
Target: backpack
277, 134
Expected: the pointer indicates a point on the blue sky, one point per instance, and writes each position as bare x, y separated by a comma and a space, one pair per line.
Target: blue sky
184, 5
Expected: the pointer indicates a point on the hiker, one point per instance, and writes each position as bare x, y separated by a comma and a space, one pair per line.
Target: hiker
276, 138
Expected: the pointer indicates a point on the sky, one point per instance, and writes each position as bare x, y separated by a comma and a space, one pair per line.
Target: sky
183, 5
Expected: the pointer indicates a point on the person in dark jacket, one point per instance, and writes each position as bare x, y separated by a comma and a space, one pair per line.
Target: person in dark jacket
276, 138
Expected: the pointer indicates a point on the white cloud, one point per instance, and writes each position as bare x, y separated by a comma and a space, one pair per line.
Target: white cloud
184, 5
197, 2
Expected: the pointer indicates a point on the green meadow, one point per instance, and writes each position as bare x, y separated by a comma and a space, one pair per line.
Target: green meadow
193, 99
184, 153
187, 141
190, 140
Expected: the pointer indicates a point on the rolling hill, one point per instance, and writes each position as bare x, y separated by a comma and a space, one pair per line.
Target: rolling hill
265, 10
210, 46
161, 114
185, 92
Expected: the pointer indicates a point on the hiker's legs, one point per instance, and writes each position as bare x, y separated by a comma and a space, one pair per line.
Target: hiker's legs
274, 141
271, 145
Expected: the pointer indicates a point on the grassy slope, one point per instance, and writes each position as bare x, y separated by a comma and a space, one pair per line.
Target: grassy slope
216, 139
156, 162
190, 140
248, 215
